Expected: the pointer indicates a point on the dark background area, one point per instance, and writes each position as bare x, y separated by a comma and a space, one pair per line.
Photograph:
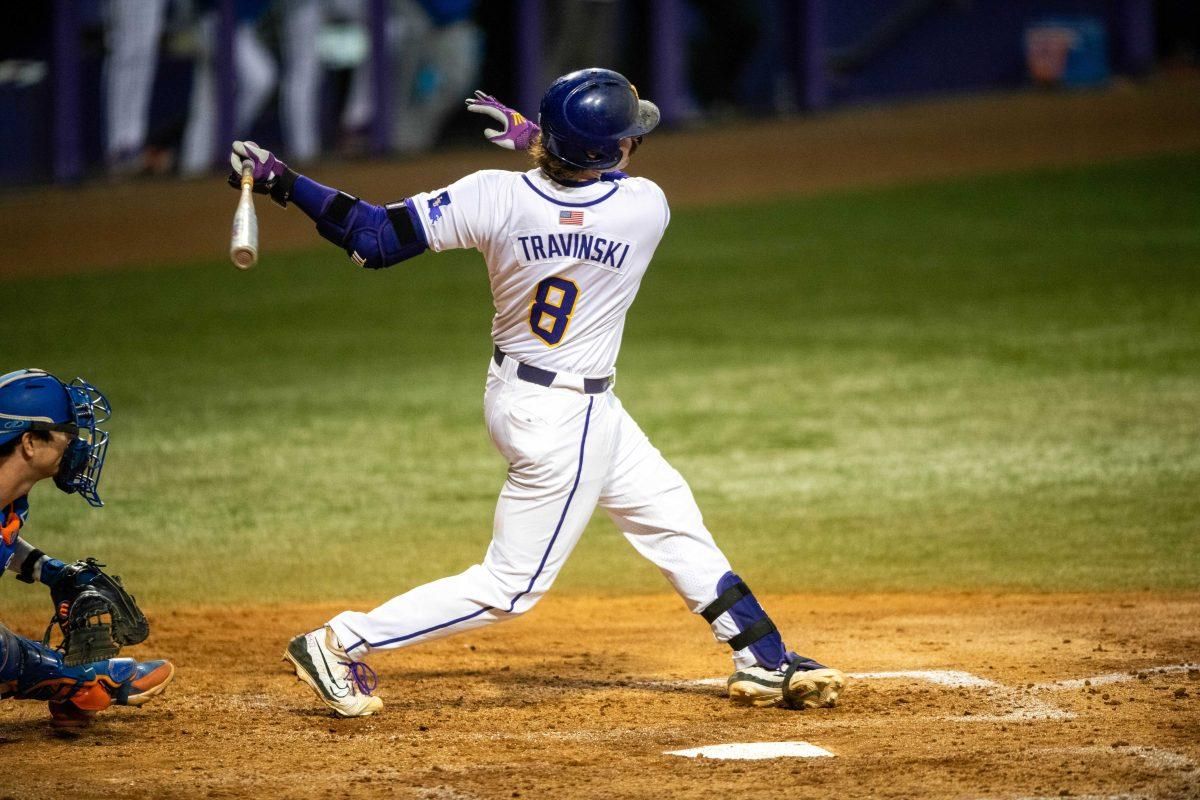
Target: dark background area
736, 63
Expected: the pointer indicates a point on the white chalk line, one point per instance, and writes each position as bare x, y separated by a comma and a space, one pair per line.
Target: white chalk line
1113, 677
1024, 707
940, 677
959, 678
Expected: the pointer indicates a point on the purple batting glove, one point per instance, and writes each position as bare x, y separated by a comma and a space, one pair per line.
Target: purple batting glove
517, 132
267, 168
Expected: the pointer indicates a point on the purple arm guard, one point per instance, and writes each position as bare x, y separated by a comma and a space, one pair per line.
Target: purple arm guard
373, 236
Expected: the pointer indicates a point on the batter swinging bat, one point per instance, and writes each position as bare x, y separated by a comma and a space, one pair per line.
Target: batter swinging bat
243, 243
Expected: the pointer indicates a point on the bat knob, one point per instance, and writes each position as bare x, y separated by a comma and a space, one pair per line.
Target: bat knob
244, 257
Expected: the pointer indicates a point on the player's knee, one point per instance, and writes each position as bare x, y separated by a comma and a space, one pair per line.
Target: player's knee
512, 591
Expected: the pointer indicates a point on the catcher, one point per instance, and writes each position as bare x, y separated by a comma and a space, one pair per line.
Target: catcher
49, 429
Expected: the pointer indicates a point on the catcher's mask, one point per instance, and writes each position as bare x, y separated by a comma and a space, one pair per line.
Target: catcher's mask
35, 400
584, 116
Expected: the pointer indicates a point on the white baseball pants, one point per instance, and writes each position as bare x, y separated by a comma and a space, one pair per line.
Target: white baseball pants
568, 452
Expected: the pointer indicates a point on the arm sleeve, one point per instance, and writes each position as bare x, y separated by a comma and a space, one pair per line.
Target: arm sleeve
373, 236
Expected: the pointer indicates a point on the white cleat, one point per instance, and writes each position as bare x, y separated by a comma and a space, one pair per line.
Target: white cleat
795, 686
343, 684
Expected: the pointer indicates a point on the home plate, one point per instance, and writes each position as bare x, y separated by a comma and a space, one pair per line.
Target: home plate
753, 751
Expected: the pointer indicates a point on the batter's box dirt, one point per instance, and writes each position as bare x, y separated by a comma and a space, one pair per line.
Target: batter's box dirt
956, 696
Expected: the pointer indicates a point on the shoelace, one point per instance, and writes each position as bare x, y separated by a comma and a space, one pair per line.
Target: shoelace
364, 677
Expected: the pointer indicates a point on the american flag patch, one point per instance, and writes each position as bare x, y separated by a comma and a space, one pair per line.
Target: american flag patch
570, 218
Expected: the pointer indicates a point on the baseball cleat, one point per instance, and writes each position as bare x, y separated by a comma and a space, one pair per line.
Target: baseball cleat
343, 684
122, 682
803, 683
149, 680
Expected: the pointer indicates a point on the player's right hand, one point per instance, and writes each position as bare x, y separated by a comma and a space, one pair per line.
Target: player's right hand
516, 133
267, 169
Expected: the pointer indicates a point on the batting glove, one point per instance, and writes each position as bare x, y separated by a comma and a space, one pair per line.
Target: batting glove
267, 169
517, 132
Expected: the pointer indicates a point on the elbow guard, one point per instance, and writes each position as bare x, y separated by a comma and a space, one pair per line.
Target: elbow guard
374, 237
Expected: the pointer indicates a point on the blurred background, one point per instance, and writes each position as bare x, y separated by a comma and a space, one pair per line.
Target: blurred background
126, 88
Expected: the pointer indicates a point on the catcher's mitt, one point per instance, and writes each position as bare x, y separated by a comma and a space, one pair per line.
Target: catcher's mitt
96, 615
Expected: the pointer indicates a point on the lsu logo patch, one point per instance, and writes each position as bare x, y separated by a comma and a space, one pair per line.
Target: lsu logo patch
435, 206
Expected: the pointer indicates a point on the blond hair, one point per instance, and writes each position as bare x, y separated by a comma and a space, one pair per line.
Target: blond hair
552, 167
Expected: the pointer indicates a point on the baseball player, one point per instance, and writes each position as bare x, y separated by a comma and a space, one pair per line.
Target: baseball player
566, 245
49, 429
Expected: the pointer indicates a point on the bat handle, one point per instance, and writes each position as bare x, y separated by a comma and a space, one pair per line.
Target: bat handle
247, 174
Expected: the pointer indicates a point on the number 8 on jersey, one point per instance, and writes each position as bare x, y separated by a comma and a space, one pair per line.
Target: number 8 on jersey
550, 313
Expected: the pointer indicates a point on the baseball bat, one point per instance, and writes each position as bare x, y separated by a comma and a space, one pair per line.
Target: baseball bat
243, 243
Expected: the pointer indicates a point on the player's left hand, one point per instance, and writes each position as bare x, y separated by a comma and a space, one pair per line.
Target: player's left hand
517, 132
267, 167
95, 613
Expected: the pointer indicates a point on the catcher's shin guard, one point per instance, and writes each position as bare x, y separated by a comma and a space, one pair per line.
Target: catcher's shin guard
30, 670
149, 680
33, 671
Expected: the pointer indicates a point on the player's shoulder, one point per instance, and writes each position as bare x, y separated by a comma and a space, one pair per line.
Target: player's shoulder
483, 182
495, 177
635, 184
646, 193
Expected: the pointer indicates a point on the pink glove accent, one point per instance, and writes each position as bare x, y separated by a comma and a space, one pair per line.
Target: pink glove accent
517, 132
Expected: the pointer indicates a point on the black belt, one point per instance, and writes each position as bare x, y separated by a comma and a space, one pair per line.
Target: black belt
544, 377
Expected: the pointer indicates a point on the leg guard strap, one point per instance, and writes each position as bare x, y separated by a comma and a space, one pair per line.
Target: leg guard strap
789, 698
725, 602
764, 627
756, 631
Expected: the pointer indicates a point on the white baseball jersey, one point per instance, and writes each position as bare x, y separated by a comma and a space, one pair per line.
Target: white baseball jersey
564, 263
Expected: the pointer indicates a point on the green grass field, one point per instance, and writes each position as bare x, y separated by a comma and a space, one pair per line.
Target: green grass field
992, 383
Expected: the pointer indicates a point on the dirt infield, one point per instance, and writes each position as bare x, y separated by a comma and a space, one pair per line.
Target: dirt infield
160, 223
979, 696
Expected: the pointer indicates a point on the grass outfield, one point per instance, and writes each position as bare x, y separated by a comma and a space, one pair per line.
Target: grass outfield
991, 383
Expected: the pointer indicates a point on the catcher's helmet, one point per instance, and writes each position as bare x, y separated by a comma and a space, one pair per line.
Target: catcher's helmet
33, 399
585, 115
